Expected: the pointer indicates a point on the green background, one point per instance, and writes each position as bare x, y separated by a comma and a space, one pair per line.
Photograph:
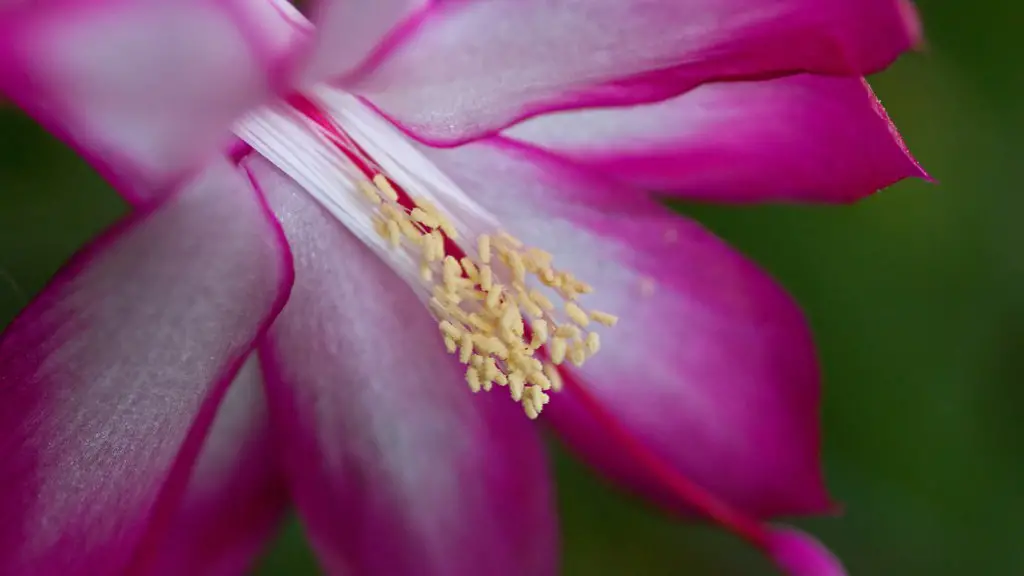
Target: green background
916, 296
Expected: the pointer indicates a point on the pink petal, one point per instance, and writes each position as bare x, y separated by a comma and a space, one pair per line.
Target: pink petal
395, 467
349, 32
800, 555
802, 138
236, 497
471, 68
110, 379
705, 394
145, 90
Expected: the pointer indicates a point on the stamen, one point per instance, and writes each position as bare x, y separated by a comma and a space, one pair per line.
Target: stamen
483, 322
489, 300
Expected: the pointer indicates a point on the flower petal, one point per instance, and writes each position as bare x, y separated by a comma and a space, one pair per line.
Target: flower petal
474, 67
800, 555
236, 496
705, 394
145, 90
395, 467
110, 379
794, 138
350, 32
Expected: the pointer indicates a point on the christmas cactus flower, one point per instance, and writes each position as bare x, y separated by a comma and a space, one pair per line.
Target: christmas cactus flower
355, 237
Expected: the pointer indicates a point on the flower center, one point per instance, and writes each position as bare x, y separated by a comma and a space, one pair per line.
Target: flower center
502, 308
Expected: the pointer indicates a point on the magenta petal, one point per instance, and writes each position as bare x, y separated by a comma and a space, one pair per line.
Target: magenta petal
474, 67
350, 32
705, 394
795, 138
236, 496
395, 467
110, 379
800, 555
145, 90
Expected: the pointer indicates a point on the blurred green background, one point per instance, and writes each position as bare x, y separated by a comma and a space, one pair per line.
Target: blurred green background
916, 296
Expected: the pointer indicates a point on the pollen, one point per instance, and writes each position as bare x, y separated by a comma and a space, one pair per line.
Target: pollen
504, 331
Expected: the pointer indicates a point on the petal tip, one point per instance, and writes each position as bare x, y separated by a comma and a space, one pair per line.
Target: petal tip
912, 24
915, 170
801, 555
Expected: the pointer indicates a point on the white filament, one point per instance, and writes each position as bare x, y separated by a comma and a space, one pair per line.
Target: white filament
302, 150
403, 162
285, 139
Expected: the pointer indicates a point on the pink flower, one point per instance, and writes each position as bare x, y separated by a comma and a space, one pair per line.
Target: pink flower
122, 446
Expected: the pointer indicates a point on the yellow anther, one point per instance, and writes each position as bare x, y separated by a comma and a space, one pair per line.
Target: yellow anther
583, 287
558, 348
381, 228
509, 240
527, 303
385, 187
410, 231
493, 296
419, 215
480, 324
541, 300
551, 371
593, 343
578, 354
471, 270
427, 206
512, 320
484, 248
531, 411
539, 259
371, 192
437, 307
540, 379
448, 229
430, 254
491, 345
452, 270
515, 261
465, 348
473, 379
603, 318
445, 297
537, 398
486, 278
549, 278
530, 364
540, 334
516, 385
436, 219
490, 368
394, 234
450, 330
576, 314
490, 312
567, 331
